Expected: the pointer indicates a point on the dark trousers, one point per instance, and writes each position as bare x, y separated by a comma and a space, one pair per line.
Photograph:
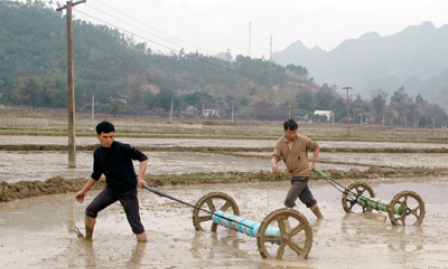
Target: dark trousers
299, 189
128, 200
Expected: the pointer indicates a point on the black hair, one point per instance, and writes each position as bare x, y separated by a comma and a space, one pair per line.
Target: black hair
104, 127
291, 125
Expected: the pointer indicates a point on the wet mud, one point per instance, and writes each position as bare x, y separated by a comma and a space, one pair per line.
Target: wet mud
38, 232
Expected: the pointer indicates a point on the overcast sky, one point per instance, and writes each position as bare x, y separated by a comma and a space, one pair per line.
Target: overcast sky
212, 26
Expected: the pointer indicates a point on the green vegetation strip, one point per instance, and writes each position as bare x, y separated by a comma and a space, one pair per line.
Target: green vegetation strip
27, 189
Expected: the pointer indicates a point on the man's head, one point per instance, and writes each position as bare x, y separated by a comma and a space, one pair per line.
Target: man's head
105, 133
290, 127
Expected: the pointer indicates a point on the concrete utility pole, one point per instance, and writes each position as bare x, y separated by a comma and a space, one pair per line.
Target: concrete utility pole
171, 109
348, 109
70, 84
93, 106
250, 36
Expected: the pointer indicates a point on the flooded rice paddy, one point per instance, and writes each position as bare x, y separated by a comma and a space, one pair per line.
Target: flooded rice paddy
18, 166
38, 232
192, 142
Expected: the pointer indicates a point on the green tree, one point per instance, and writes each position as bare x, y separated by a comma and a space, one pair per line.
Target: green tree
29, 91
165, 96
114, 108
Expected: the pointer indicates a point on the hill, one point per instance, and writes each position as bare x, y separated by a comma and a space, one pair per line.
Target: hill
415, 58
116, 69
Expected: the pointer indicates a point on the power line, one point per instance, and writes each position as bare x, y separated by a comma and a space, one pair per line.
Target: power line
134, 26
186, 55
163, 32
194, 57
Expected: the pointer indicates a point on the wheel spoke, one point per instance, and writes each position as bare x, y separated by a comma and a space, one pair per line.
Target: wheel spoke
351, 204
296, 230
295, 247
280, 251
205, 218
281, 224
211, 205
403, 219
271, 238
225, 206
414, 212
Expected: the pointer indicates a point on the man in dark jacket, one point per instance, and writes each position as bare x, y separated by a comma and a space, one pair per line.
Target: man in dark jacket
114, 160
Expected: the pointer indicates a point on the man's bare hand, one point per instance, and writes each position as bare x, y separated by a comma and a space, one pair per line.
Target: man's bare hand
80, 196
275, 168
141, 182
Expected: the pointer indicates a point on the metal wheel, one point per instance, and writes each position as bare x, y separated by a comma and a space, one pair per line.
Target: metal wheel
213, 201
349, 199
284, 234
409, 209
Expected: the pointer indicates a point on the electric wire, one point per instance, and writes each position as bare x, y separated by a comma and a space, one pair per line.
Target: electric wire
136, 27
163, 32
194, 57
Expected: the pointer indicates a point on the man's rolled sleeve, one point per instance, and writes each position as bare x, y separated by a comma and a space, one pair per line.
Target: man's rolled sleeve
277, 154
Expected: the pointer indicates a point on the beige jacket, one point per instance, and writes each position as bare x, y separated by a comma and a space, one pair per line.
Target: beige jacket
296, 156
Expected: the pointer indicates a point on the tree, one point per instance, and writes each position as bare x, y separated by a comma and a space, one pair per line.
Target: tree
29, 91
305, 100
165, 96
378, 105
114, 108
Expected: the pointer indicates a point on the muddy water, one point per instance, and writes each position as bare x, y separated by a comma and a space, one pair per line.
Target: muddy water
18, 166
190, 142
37, 232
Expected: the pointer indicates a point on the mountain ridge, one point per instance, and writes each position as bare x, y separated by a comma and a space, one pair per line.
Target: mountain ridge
417, 52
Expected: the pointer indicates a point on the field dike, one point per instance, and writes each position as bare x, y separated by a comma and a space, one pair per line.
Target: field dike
222, 150
27, 189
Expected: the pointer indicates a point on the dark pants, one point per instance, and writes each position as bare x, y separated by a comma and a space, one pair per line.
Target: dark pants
299, 188
128, 200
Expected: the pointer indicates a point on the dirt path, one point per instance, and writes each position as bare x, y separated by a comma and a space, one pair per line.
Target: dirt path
38, 231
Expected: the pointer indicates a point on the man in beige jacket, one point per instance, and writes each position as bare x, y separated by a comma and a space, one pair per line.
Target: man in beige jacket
293, 148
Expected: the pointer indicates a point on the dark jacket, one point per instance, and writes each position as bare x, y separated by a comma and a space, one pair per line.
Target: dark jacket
115, 163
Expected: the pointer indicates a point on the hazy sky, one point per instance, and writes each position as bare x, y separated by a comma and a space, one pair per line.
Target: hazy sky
212, 26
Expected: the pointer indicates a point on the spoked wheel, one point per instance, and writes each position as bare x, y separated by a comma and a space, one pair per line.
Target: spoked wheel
284, 234
349, 198
213, 201
406, 209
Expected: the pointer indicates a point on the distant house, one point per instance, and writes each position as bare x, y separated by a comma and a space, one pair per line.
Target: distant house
191, 111
210, 110
122, 99
328, 113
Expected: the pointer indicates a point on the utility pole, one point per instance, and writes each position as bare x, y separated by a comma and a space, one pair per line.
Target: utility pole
270, 67
348, 109
250, 36
171, 109
233, 110
93, 107
70, 84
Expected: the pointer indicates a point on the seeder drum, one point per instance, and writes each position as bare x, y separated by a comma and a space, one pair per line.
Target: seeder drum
404, 205
284, 233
